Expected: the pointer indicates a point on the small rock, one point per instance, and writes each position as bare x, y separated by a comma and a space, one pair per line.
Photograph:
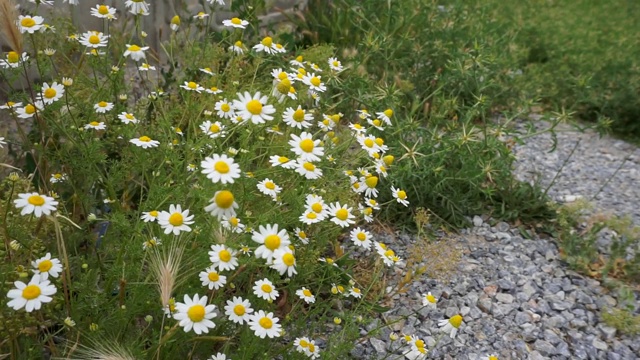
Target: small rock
535, 355
477, 221
484, 304
599, 344
545, 348
378, 345
607, 331
502, 226
522, 318
504, 298
491, 290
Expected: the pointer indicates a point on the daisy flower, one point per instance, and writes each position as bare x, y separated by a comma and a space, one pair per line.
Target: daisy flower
27, 111
224, 109
31, 296
386, 116
214, 130
302, 236
492, 357
201, 16
46, 266
388, 256
238, 310
355, 292
13, 60
400, 196
137, 7
310, 217
308, 170
151, 243
145, 142
298, 61
94, 39
95, 125
127, 118
305, 147
51, 93
283, 161
236, 23
254, 108
270, 240
335, 65
357, 128
57, 177
341, 214
223, 258
429, 301
368, 186
265, 325
146, 67
284, 262
376, 123
233, 224
30, 24
192, 86
279, 48
219, 356
104, 12
314, 82
10, 105
136, 52
264, 289
268, 187
175, 220
451, 325
195, 314
237, 47
212, 279
297, 118
368, 144
149, 216
213, 90
361, 238
316, 204
222, 205
265, 45
102, 107
220, 168
306, 295
36, 204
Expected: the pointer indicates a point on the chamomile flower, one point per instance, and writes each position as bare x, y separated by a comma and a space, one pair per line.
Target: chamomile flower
222, 205
150, 216
136, 52
253, 107
212, 279
224, 109
305, 147
270, 240
237, 47
268, 187
192, 86
13, 60
357, 129
213, 90
223, 258
302, 236
307, 169
492, 357
146, 67
279, 48
207, 71
429, 301
368, 186
341, 214
236, 23
175, 220
306, 295
137, 7
264, 289
36, 204
151, 243
213, 129
238, 310
233, 224
195, 314
400, 196
316, 204
368, 144
266, 46
220, 168
265, 325
10, 105
451, 325
386, 116
335, 65
284, 262
94, 39
314, 82
104, 12
30, 24
102, 107
57, 177
376, 123
27, 111
96, 125
218, 356
46, 266
355, 292
310, 217
283, 161
31, 296
361, 238
51, 93
201, 16
145, 142
298, 61
298, 118
127, 118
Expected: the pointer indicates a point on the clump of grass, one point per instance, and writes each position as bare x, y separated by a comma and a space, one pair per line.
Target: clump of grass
622, 320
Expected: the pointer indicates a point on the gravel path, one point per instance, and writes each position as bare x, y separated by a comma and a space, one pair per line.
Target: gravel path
518, 299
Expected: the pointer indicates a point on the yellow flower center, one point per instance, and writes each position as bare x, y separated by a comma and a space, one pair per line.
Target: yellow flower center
299, 58
94, 39
389, 253
376, 122
27, 22
419, 343
283, 159
214, 89
356, 290
317, 207
236, 21
224, 199
13, 57
153, 213
272, 242
307, 292
361, 236
402, 194
214, 128
36, 200
369, 143
31, 292
192, 85
268, 41
225, 255
455, 321
174, 20
284, 86
103, 10
342, 214
176, 219
144, 138
239, 310
431, 298
493, 357
29, 109
102, 104
388, 159
50, 93
222, 167
379, 141
266, 323
225, 107
238, 43
196, 313
371, 181
357, 126
312, 216
306, 145
213, 276
129, 116
134, 48
309, 166
292, 90
45, 265
270, 185
266, 288
302, 234
234, 221
254, 107
315, 81
368, 211
57, 176
288, 259
312, 348
388, 112
298, 116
